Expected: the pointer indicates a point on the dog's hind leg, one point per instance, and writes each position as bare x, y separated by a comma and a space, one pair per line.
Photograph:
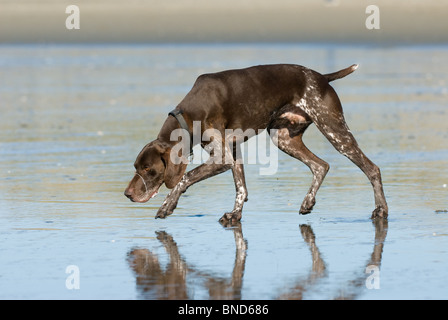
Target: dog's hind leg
329, 119
294, 147
290, 126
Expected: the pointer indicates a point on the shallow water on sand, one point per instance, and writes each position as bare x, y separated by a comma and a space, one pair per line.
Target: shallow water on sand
73, 119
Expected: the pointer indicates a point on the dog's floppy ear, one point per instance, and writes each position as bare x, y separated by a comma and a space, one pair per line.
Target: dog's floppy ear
173, 171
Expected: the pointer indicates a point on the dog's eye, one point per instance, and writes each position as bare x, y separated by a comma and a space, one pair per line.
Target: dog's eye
149, 171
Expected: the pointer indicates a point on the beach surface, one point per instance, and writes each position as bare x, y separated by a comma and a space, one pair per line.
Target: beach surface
74, 118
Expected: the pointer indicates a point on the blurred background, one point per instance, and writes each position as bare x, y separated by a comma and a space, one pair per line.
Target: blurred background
403, 21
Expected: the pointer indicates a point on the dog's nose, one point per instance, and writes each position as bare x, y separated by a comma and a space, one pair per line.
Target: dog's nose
128, 193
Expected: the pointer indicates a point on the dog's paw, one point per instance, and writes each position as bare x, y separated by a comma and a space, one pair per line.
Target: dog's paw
168, 205
165, 210
307, 205
305, 210
231, 217
162, 214
379, 212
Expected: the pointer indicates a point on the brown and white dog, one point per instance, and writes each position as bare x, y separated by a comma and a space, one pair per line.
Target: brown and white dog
284, 97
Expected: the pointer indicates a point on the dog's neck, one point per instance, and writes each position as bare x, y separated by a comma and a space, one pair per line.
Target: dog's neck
169, 126
172, 123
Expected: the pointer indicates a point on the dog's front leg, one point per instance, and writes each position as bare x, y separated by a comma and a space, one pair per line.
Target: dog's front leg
240, 187
204, 171
241, 195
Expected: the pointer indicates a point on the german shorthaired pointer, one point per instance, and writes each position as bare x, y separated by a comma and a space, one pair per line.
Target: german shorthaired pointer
287, 98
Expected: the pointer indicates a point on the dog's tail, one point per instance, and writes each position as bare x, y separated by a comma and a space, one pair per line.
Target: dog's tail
341, 73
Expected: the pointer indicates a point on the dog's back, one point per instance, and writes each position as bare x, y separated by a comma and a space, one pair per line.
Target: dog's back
246, 98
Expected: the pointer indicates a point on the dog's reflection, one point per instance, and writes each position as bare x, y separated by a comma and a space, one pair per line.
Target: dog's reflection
152, 281
317, 269
355, 286
172, 282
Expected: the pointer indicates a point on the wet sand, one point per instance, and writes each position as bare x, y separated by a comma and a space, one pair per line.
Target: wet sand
73, 119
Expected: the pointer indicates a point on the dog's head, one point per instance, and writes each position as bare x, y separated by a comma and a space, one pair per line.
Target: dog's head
153, 167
